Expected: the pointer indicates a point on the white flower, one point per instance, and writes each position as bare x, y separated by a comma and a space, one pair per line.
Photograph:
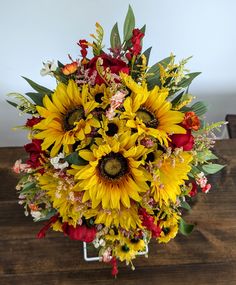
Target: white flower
48, 68
36, 215
56, 161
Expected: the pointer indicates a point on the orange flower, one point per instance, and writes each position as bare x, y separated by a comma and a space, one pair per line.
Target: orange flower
70, 68
191, 121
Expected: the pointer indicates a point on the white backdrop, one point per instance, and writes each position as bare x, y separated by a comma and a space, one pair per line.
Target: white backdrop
34, 31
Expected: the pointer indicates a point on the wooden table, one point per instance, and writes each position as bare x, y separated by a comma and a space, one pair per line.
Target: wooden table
208, 256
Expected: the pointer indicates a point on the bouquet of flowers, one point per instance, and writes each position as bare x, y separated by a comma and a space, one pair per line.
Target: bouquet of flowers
117, 148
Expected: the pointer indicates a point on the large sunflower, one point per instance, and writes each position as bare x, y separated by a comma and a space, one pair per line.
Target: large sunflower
149, 112
114, 175
66, 117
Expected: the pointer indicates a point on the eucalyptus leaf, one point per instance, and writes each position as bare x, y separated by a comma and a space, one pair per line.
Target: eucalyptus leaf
185, 205
212, 168
185, 228
27, 187
39, 88
115, 37
129, 24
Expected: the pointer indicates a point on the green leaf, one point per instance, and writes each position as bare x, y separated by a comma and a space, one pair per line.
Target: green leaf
212, 168
74, 158
143, 29
129, 24
39, 88
185, 228
185, 205
187, 81
115, 37
147, 53
154, 79
60, 65
27, 187
200, 108
37, 98
12, 103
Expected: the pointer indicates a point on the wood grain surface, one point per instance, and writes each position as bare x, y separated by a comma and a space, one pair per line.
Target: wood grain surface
207, 256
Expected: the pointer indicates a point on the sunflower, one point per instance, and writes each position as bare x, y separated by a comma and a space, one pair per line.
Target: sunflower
114, 175
169, 228
149, 112
60, 192
101, 95
127, 218
169, 174
66, 117
111, 128
123, 252
136, 244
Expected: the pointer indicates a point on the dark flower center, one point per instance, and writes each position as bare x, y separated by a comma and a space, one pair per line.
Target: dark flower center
166, 230
135, 240
98, 97
112, 129
113, 166
150, 157
125, 248
147, 117
73, 116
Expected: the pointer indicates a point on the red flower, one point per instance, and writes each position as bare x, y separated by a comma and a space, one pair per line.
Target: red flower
136, 44
33, 121
148, 222
82, 233
193, 191
35, 151
116, 66
84, 45
42, 232
186, 141
191, 121
206, 188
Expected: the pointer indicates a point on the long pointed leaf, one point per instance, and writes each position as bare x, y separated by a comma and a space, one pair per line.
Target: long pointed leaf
115, 37
129, 24
37, 87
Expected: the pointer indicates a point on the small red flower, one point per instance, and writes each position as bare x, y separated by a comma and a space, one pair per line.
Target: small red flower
193, 191
33, 121
84, 45
35, 151
113, 261
191, 121
148, 222
186, 141
83, 233
207, 188
42, 232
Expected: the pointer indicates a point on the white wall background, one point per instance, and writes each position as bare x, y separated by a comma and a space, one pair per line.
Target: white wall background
34, 31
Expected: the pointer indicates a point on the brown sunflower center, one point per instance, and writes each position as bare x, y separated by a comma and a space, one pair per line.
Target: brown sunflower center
125, 248
73, 116
98, 97
147, 117
113, 166
112, 129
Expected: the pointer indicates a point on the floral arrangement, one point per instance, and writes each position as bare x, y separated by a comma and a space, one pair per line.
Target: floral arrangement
117, 149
